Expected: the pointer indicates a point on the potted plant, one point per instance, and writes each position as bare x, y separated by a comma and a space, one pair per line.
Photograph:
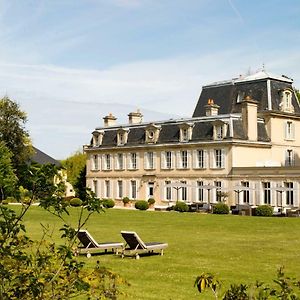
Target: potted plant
126, 201
151, 202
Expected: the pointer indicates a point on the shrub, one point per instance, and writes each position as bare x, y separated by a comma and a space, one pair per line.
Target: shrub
108, 203
75, 202
264, 211
125, 200
221, 209
11, 199
5, 201
151, 201
181, 207
141, 205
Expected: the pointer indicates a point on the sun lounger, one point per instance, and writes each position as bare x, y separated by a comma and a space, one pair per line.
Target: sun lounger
88, 244
135, 245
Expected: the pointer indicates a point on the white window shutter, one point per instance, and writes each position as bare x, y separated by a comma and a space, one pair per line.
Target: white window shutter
154, 160
212, 158
178, 160
189, 158
173, 159
195, 159
145, 160
137, 160
163, 160
223, 158
116, 162
205, 158
103, 162
293, 131
128, 161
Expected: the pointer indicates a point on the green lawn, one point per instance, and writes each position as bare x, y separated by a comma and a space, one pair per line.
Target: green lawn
236, 248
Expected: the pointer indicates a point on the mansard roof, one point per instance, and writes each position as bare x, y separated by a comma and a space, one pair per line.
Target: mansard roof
263, 87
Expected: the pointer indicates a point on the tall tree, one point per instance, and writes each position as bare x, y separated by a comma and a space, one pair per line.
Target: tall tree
8, 179
13, 132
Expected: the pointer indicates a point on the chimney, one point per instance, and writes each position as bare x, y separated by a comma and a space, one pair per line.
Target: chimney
135, 117
109, 120
211, 109
249, 117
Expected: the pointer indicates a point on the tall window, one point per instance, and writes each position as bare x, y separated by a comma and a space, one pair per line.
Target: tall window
168, 190
120, 189
184, 135
219, 132
95, 140
289, 130
184, 159
289, 157
107, 188
168, 159
218, 191
289, 193
183, 191
107, 162
95, 162
200, 191
219, 158
200, 159
246, 193
120, 161
149, 160
133, 160
267, 192
133, 189
95, 187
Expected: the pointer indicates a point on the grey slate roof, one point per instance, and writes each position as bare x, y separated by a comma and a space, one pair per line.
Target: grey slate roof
42, 158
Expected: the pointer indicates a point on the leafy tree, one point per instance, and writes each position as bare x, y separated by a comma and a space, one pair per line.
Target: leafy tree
8, 179
13, 132
80, 185
298, 95
74, 166
42, 270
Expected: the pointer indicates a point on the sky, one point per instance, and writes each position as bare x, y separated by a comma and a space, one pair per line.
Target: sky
69, 63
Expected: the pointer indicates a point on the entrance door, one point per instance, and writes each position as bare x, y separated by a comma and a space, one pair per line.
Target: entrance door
150, 190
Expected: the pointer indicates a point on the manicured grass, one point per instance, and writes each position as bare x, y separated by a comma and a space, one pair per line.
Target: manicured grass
237, 249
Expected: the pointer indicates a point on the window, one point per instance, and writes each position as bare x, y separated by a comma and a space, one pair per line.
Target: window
183, 191
120, 189
218, 191
267, 192
121, 139
219, 158
133, 189
122, 136
289, 157
289, 130
107, 158
150, 190
133, 161
107, 188
120, 161
240, 97
168, 191
168, 159
246, 193
184, 159
95, 187
286, 101
149, 160
200, 191
95, 162
219, 132
200, 159
289, 193
184, 135
95, 140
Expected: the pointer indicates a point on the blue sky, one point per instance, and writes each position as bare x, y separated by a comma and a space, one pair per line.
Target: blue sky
71, 62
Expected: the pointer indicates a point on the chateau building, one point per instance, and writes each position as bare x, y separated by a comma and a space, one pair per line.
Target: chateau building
241, 145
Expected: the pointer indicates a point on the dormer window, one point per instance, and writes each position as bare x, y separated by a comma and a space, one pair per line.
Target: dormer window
220, 130
122, 136
240, 97
152, 133
186, 132
97, 138
286, 101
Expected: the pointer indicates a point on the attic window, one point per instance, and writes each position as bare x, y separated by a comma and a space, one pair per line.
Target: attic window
122, 136
97, 138
286, 101
186, 130
152, 133
240, 97
220, 130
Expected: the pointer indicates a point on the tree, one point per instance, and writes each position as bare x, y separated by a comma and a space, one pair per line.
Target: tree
74, 165
8, 178
298, 95
13, 132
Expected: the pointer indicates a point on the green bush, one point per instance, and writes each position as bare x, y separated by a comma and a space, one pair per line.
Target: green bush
264, 211
221, 209
11, 199
126, 200
5, 201
151, 201
75, 202
108, 203
141, 205
181, 206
